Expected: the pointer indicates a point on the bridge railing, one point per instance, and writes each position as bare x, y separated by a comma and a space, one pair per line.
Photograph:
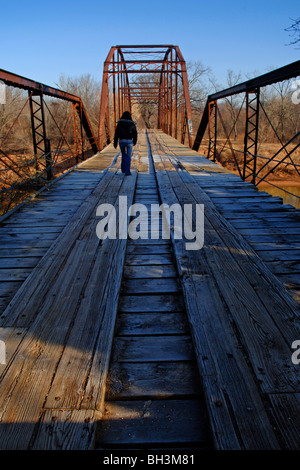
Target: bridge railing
61, 135
252, 165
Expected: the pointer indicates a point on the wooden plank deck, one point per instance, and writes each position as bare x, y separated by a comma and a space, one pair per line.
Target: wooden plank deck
118, 343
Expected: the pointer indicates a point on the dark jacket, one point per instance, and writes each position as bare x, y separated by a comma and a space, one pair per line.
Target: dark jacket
125, 130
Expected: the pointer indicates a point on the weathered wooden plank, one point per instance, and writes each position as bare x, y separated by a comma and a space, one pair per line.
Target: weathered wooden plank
274, 245
145, 248
7, 237
148, 259
7, 289
151, 303
19, 262
148, 241
16, 274
3, 304
150, 324
271, 237
278, 254
152, 379
11, 338
66, 430
148, 286
229, 209
286, 413
285, 267
234, 192
41, 221
152, 348
246, 200
291, 280
276, 230
271, 225
290, 214
29, 230
22, 252
148, 271
153, 422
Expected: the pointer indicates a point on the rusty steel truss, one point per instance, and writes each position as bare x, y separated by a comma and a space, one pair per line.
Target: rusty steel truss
140, 74
41, 144
248, 168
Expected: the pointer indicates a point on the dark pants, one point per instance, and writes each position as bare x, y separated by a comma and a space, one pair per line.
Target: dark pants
126, 149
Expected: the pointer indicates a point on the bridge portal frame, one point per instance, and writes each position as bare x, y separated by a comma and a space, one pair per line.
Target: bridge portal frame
169, 91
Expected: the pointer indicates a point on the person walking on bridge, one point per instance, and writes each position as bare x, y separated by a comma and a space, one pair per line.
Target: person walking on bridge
126, 133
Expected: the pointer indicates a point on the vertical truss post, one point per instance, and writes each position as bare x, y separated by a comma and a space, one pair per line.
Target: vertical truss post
119, 92
183, 117
48, 157
107, 121
159, 117
36, 105
176, 100
165, 97
114, 95
78, 134
251, 135
212, 130
187, 100
171, 95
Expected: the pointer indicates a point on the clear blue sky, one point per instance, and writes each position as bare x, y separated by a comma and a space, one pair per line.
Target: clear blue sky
41, 40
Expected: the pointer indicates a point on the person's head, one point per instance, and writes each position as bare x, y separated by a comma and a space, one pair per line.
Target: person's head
126, 115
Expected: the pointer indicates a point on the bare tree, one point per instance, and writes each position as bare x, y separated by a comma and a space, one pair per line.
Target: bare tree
294, 31
88, 89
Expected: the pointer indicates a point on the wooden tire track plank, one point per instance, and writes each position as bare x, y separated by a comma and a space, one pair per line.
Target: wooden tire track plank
257, 347
66, 429
99, 301
27, 227
296, 407
37, 357
58, 252
56, 283
236, 244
